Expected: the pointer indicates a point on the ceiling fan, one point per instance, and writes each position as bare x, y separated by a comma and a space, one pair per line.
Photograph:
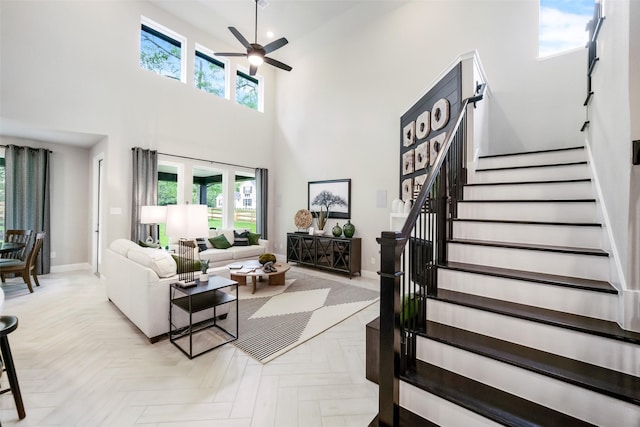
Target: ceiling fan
256, 53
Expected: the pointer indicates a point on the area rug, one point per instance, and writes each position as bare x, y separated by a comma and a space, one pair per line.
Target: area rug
271, 325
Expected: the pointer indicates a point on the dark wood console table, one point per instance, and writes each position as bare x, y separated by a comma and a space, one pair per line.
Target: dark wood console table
331, 253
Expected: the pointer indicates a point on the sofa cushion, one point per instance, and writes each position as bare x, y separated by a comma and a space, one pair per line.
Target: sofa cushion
216, 255
122, 246
156, 259
240, 252
240, 239
220, 242
254, 238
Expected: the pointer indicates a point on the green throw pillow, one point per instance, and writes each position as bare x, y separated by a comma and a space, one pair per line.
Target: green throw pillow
183, 267
253, 238
220, 242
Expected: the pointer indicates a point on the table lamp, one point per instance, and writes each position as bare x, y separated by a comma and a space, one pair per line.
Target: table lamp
187, 222
152, 215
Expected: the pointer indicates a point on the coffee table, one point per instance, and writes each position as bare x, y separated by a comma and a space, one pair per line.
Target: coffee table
253, 269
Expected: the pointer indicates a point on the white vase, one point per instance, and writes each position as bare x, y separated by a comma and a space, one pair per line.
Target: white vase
397, 206
407, 206
204, 277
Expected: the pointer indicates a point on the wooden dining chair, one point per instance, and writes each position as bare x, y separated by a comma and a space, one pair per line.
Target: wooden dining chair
26, 269
17, 236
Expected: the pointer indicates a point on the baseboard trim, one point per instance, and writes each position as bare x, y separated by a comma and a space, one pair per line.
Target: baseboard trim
70, 267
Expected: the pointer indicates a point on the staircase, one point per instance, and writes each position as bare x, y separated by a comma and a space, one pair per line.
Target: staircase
522, 330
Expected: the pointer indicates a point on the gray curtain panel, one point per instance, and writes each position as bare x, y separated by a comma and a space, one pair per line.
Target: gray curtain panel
262, 188
27, 204
145, 190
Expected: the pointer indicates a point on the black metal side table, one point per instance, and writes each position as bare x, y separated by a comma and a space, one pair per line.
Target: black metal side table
216, 292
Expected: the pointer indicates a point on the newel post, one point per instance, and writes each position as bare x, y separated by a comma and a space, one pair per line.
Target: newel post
391, 247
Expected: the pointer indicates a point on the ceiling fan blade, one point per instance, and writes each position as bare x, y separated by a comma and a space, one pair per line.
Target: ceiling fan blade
278, 64
276, 44
229, 54
252, 70
240, 37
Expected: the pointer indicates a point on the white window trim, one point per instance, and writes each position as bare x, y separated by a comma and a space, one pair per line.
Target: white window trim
183, 43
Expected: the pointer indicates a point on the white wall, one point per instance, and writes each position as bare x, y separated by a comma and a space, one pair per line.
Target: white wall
609, 132
338, 112
69, 198
74, 66
634, 109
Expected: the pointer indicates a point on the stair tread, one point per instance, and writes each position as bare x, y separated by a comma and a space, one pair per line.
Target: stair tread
561, 319
550, 279
487, 401
533, 247
533, 166
555, 181
509, 221
596, 378
550, 150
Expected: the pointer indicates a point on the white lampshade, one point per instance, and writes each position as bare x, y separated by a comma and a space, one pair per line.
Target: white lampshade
153, 214
187, 221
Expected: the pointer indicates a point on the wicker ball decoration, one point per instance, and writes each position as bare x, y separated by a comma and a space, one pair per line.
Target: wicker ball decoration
303, 218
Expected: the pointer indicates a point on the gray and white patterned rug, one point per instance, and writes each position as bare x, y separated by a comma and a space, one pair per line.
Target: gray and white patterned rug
274, 324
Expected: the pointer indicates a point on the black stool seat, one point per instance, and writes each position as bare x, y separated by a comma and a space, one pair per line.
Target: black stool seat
9, 324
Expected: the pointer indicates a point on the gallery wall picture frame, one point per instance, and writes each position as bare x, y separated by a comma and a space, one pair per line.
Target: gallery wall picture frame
334, 193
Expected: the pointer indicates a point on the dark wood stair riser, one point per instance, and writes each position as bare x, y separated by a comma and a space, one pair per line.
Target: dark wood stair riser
595, 378
489, 402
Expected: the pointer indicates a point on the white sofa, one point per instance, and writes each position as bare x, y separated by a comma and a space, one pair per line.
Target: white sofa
137, 282
223, 257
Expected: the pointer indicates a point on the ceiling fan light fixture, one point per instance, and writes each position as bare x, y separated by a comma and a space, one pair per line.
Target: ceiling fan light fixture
255, 59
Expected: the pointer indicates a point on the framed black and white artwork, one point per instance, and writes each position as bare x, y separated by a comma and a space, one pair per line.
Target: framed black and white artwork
333, 196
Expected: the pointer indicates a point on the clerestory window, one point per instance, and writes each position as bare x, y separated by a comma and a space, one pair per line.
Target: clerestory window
562, 25
161, 50
248, 91
210, 73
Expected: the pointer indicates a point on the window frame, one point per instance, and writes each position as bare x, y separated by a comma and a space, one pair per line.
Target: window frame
170, 36
208, 55
258, 79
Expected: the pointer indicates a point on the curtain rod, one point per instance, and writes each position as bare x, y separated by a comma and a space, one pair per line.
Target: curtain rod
25, 146
201, 160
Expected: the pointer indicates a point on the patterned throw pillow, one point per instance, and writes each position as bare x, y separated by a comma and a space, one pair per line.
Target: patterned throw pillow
253, 238
202, 244
220, 242
240, 239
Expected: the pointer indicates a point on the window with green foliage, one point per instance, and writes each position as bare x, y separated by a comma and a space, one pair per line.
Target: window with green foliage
160, 51
209, 74
247, 90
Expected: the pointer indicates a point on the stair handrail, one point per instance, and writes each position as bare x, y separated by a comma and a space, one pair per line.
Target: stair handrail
435, 170
392, 332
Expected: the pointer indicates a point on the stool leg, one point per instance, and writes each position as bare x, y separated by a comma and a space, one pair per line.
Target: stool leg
11, 373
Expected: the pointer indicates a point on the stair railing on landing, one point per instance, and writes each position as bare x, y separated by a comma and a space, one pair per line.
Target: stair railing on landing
409, 260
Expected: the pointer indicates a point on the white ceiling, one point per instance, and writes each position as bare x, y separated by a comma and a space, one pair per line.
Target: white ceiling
293, 19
